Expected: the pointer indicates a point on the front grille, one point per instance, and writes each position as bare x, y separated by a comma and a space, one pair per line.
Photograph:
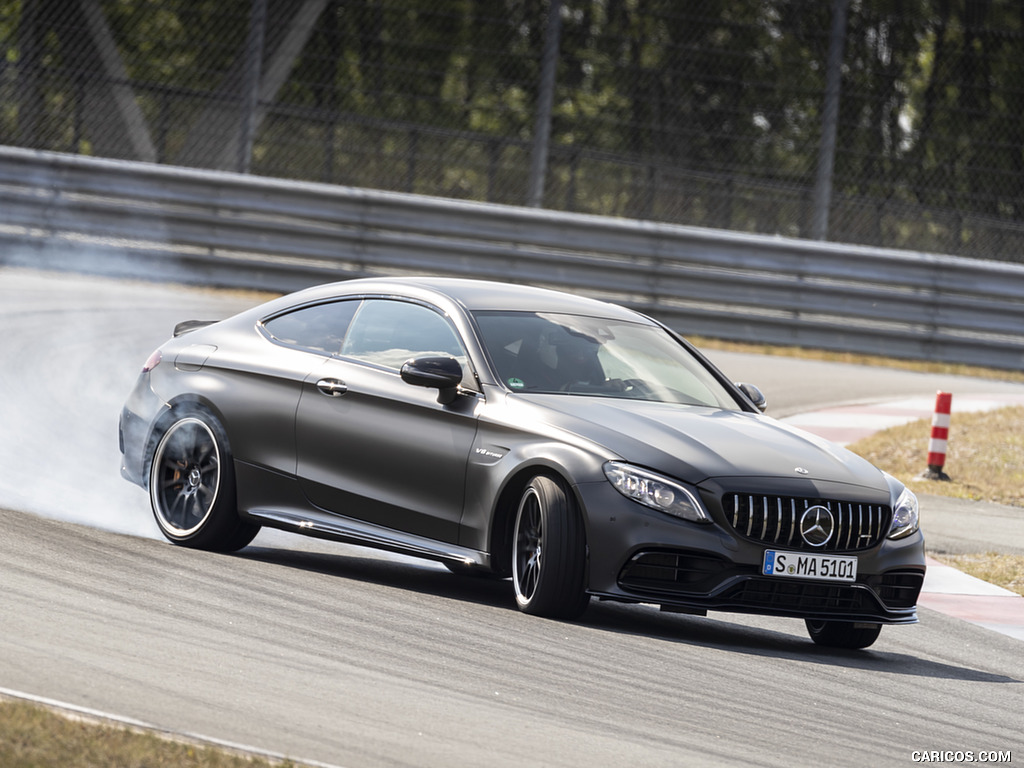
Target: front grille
775, 520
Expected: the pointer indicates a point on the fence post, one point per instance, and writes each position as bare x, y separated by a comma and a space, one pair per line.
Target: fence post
253, 74
30, 98
829, 123
545, 100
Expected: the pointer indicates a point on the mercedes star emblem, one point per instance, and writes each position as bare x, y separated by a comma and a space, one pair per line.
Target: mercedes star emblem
817, 526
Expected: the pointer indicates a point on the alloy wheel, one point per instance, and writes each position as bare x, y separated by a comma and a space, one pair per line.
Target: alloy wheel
185, 477
529, 545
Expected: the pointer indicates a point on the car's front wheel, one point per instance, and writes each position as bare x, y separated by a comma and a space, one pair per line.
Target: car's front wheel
549, 551
842, 634
192, 486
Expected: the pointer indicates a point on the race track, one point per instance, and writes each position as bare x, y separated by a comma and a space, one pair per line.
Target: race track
350, 657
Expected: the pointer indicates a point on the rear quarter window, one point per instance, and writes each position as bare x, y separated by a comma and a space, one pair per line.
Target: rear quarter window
321, 327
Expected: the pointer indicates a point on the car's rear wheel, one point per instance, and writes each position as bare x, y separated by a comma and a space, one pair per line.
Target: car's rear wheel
842, 634
192, 486
549, 551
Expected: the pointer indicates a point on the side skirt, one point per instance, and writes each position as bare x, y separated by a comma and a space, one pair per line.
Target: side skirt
323, 525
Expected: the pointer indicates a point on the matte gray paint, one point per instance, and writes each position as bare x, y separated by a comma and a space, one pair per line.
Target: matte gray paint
386, 465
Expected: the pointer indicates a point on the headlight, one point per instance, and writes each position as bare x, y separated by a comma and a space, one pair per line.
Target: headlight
905, 516
655, 491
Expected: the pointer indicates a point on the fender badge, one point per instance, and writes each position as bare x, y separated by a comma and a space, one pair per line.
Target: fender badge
802, 471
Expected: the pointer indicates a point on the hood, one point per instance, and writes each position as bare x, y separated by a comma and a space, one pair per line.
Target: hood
695, 443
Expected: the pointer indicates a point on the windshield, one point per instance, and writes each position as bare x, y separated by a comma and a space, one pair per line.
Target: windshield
554, 353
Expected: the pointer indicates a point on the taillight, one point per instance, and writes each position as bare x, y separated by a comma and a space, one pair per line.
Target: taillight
152, 362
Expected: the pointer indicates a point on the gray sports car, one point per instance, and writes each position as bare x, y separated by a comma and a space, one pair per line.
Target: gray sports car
581, 448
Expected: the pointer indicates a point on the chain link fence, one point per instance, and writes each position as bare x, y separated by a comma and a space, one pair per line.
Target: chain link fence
894, 123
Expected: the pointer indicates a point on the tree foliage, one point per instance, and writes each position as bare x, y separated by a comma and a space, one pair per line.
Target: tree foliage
707, 112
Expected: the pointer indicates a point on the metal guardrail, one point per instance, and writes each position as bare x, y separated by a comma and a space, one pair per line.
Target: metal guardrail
165, 223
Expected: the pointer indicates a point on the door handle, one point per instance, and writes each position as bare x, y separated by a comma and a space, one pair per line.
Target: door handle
332, 387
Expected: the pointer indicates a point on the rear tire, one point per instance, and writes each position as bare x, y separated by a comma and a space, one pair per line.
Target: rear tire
549, 551
842, 634
192, 486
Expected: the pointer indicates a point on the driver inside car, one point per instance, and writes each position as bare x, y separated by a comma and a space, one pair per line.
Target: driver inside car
570, 358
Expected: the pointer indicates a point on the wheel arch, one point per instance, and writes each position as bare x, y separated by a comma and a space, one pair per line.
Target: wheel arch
503, 516
177, 407
215, 523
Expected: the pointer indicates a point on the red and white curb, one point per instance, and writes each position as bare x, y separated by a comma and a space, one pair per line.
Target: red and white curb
954, 593
849, 423
946, 589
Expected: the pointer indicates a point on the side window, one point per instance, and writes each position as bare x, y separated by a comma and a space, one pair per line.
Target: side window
388, 333
321, 327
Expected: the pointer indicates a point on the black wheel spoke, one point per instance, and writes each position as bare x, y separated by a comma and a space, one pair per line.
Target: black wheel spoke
205, 455
176, 509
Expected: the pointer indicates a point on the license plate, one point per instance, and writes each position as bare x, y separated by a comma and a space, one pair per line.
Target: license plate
800, 565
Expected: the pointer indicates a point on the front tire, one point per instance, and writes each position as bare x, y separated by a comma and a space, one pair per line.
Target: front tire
549, 551
842, 634
192, 486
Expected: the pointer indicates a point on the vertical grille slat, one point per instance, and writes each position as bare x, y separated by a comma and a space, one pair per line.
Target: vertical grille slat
778, 522
765, 518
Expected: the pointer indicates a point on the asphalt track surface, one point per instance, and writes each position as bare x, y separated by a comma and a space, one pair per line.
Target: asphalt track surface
350, 657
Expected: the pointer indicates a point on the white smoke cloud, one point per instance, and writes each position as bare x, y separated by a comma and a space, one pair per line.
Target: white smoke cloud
71, 348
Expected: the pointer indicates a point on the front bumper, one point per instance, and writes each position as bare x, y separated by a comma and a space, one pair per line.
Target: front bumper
641, 555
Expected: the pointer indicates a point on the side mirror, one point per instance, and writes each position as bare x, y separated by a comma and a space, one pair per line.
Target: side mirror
754, 395
441, 373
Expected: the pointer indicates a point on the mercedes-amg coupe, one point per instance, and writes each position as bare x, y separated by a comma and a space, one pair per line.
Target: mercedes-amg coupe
580, 448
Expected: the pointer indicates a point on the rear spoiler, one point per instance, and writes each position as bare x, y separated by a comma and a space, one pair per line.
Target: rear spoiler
191, 325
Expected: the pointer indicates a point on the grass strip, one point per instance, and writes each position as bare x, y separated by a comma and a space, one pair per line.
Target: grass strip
33, 736
985, 459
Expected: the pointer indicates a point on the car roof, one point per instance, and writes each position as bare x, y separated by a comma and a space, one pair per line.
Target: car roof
475, 295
